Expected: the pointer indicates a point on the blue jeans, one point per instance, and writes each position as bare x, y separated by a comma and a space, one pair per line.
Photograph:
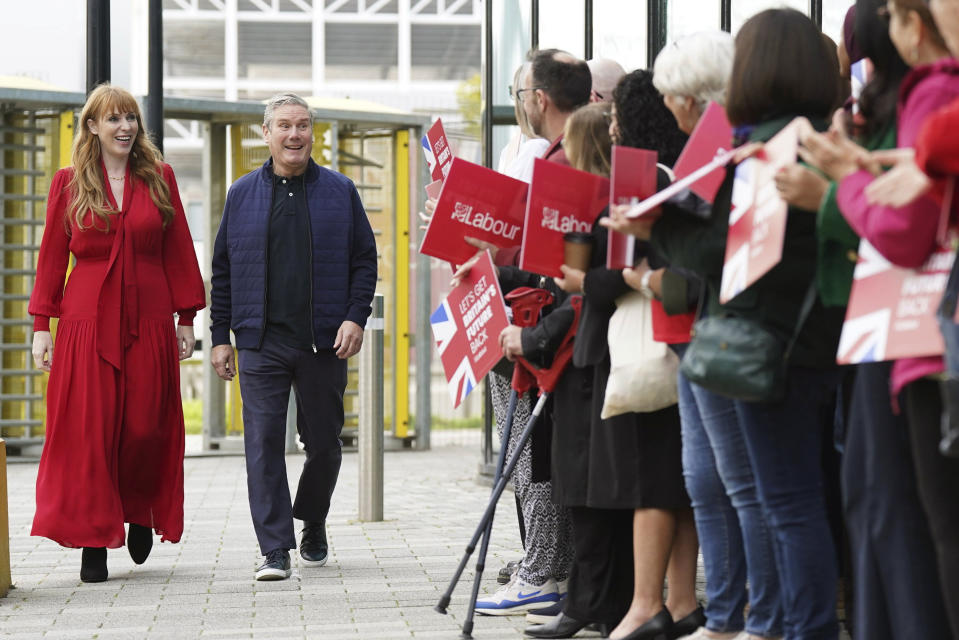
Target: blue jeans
732, 529
785, 440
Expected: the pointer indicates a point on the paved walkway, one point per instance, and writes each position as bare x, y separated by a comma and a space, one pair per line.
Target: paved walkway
382, 581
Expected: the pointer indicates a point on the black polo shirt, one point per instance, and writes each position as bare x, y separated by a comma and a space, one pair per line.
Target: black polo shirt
288, 314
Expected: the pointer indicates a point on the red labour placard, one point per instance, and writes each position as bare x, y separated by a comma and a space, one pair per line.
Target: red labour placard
466, 328
477, 202
757, 216
712, 136
436, 146
561, 199
892, 310
632, 179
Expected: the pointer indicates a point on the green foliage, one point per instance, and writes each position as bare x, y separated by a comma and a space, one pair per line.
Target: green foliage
193, 416
448, 424
470, 100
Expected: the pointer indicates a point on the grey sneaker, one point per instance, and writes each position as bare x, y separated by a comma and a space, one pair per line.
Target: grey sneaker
276, 566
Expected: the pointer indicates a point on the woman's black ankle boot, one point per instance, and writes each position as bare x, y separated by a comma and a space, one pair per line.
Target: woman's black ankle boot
139, 542
93, 565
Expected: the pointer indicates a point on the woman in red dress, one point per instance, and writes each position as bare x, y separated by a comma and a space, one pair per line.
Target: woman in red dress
114, 436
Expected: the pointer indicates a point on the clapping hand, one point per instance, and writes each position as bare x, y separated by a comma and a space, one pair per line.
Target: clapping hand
833, 153
900, 185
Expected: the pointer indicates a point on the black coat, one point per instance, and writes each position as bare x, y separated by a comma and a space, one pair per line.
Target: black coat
613, 463
775, 299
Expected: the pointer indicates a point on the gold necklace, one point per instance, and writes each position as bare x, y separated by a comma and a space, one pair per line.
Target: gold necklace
117, 179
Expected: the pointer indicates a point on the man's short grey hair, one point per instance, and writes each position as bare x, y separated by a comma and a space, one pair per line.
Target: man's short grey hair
696, 66
280, 100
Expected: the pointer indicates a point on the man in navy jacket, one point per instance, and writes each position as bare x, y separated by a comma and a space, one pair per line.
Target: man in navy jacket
294, 271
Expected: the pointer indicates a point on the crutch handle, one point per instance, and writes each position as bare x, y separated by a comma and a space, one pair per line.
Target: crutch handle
547, 378
527, 303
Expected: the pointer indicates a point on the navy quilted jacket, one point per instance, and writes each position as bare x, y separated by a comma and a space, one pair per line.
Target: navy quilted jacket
343, 250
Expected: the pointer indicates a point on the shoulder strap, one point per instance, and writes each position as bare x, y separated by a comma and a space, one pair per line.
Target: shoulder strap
807, 304
669, 172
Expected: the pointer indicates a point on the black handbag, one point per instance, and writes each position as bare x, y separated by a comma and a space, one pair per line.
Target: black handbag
739, 358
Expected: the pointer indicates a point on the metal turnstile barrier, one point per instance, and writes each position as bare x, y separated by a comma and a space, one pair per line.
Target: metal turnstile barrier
31, 149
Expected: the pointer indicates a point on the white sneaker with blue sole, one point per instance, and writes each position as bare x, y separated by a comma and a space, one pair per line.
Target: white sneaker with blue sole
519, 596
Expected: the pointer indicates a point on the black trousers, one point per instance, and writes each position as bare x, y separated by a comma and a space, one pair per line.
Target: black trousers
895, 580
601, 578
938, 480
318, 381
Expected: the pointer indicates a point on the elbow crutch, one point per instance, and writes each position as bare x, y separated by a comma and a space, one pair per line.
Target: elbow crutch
524, 375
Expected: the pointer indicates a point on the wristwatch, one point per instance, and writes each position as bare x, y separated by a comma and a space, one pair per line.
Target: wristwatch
644, 284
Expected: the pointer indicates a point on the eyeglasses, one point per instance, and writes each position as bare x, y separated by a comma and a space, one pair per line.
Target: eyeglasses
517, 94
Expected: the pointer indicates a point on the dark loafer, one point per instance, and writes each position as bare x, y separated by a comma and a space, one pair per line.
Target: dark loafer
562, 626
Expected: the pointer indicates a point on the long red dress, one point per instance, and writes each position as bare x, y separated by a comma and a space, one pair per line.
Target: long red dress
114, 437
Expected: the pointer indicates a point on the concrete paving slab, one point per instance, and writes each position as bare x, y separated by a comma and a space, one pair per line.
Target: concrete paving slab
382, 580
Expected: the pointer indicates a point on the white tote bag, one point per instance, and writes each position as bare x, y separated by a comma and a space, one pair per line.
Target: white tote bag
642, 375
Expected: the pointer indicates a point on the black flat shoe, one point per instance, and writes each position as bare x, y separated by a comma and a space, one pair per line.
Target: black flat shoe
93, 564
687, 624
656, 628
139, 542
562, 626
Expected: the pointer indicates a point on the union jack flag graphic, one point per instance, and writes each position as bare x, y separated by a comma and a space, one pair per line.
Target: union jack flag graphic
466, 326
891, 312
864, 338
866, 330
428, 151
443, 326
462, 382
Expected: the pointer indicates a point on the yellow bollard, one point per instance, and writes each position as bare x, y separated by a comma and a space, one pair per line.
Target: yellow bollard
4, 524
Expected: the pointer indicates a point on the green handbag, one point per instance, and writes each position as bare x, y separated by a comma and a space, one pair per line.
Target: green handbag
739, 358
